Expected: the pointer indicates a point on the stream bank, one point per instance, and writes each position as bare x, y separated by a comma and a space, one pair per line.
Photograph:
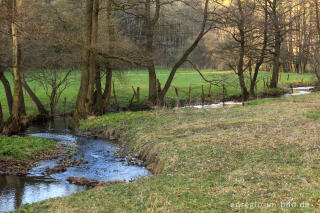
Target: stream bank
98, 164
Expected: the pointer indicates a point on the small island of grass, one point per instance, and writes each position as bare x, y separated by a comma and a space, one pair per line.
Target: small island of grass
19, 154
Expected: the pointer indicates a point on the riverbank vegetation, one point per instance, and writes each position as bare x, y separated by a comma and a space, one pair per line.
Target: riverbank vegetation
212, 159
19, 154
185, 80
17, 147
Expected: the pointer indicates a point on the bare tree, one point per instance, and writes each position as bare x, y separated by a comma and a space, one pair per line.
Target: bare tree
279, 11
18, 107
54, 84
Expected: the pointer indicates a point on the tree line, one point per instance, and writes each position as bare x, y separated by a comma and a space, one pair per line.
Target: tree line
54, 38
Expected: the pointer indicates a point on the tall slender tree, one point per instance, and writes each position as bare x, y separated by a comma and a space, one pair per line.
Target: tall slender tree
18, 107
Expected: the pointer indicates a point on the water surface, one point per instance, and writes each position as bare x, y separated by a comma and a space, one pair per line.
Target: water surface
35, 187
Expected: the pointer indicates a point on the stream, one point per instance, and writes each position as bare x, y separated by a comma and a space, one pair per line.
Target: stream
295, 92
102, 166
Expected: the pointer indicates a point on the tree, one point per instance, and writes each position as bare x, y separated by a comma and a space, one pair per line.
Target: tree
207, 24
92, 57
18, 107
245, 23
103, 100
80, 110
260, 58
7, 89
279, 11
315, 48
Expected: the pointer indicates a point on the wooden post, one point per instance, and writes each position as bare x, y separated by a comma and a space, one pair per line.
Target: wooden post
134, 93
131, 100
288, 77
177, 92
138, 94
177, 96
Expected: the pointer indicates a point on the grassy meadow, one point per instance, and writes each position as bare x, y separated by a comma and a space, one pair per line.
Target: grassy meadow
124, 80
263, 157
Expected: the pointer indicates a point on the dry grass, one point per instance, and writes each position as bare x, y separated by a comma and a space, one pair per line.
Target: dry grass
265, 154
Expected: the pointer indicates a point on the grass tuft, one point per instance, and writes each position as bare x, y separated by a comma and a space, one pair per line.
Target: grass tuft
17, 147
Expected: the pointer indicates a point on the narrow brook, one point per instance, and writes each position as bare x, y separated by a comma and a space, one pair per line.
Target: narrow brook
102, 166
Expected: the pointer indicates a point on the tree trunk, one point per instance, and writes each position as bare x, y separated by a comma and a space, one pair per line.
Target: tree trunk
92, 58
112, 39
276, 61
98, 96
263, 53
107, 90
80, 110
153, 96
277, 45
7, 89
34, 98
150, 27
53, 102
17, 104
240, 70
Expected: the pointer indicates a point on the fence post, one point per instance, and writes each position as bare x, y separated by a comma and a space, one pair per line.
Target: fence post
177, 96
177, 92
138, 94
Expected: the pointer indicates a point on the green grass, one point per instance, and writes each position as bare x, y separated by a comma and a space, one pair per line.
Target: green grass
124, 80
314, 114
212, 160
17, 147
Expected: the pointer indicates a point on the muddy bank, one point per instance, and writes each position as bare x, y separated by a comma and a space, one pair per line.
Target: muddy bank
14, 167
91, 183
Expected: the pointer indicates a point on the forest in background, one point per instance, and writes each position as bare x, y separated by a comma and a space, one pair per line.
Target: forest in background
47, 41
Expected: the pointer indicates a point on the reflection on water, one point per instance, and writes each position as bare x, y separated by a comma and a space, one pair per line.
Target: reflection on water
16, 191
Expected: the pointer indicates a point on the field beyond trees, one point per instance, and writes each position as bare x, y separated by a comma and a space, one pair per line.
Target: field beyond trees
185, 79
265, 153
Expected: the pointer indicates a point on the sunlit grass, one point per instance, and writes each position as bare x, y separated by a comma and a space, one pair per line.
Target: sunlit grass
17, 147
185, 79
209, 160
